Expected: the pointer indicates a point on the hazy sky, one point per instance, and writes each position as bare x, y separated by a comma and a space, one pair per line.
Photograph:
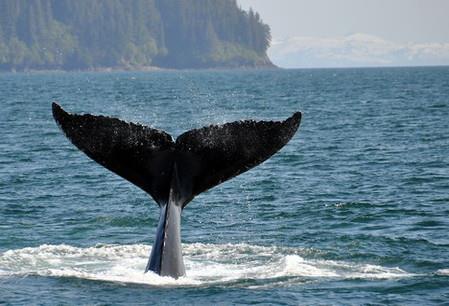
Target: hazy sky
356, 32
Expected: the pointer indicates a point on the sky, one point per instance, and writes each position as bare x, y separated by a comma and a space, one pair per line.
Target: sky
354, 33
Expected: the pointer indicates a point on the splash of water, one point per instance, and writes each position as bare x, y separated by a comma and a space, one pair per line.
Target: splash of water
206, 264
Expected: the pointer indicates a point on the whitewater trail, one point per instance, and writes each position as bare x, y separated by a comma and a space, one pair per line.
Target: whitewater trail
206, 265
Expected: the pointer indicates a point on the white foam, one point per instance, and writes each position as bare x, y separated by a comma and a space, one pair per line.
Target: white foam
206, 264
444, 272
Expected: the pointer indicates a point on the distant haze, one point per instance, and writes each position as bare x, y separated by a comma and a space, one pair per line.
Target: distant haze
329, 33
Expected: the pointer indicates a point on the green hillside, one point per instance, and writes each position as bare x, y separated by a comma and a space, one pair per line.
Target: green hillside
129, 34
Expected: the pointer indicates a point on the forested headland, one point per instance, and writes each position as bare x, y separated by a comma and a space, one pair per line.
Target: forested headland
130, 34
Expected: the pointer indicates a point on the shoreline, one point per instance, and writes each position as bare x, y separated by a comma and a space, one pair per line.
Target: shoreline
270, 66
241, 68
140, 69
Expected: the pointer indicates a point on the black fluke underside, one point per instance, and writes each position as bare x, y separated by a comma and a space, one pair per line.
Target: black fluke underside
204, 157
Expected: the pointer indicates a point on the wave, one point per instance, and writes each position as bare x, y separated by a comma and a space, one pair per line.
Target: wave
443, 272
206, 265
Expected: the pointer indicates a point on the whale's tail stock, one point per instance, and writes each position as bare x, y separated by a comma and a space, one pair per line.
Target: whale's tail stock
174, 172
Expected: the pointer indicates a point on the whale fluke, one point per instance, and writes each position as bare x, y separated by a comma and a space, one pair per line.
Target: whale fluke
174, 172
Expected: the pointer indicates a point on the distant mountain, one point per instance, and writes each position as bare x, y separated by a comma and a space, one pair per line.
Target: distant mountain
356, 50
130, 34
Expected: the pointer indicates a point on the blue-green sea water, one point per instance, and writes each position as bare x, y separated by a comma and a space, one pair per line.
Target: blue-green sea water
354, 210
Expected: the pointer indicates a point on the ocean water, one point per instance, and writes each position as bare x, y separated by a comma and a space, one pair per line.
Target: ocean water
354, 210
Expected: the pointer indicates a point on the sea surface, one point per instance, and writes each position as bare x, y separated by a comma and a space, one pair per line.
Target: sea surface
353, 211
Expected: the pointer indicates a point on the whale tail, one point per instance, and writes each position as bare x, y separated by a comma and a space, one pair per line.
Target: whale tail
174, 172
